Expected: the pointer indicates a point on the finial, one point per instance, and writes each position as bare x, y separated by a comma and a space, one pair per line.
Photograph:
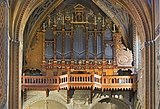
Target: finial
95, 20
43, 27
49, 21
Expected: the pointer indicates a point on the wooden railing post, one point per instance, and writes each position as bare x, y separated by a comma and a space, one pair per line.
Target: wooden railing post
92, 78
68, 78
23, 79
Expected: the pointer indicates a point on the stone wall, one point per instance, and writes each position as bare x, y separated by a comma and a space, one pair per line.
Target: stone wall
3, 53
80, 99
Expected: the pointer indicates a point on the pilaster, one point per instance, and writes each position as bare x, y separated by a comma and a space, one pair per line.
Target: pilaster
14, 75
150, 74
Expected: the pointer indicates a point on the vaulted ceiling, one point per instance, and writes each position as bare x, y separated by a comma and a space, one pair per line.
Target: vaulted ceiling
27, 16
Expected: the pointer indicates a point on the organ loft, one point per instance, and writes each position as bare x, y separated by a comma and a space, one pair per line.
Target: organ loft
79, 54
79, 49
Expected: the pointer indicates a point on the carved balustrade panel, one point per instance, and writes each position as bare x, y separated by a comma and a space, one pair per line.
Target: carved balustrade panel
79, 81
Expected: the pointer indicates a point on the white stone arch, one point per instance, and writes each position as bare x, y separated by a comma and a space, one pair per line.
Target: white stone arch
115, 99
40, 97
21, 43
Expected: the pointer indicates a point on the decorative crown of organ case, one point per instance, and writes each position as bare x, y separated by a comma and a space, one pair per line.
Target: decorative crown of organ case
78, 42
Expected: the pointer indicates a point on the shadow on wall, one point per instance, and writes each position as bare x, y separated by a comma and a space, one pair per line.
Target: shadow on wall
109, 103
32, 72
124, 72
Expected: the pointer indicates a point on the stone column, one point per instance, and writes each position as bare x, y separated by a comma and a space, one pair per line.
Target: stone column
149, 74
14, 75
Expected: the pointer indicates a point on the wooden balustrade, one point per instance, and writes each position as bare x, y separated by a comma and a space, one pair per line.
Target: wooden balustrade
119, 82
79, 81
40, 82
76, 81
97, 81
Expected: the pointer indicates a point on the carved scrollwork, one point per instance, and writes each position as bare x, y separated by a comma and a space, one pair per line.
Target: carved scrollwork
124, 56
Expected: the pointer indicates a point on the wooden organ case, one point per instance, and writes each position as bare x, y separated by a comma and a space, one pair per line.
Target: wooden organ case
78, 49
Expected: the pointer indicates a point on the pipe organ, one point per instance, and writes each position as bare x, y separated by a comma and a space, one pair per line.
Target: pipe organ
79, 38
76, 45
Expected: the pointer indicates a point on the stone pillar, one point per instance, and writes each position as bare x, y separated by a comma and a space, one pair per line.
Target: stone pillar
14, 75
149, 74
157, 75
156, 27
3, 53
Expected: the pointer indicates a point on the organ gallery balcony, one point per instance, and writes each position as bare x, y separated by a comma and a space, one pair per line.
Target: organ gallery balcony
40, 82
78, 81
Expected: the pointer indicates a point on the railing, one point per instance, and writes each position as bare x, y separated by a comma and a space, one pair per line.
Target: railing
76, 81
79, 81
40, 82
119, 82
97, 81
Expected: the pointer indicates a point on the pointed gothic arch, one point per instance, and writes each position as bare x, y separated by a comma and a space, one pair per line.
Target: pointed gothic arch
142, 26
